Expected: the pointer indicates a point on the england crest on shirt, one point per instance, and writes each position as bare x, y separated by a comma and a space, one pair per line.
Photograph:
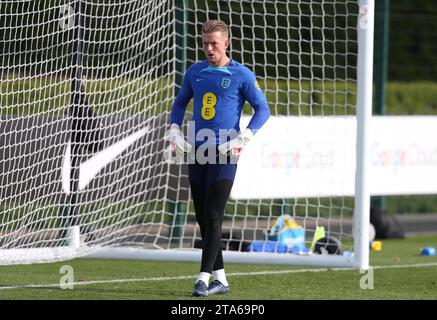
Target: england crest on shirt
226, 82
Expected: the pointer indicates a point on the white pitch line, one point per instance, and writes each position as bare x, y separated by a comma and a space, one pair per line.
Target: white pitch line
235, 274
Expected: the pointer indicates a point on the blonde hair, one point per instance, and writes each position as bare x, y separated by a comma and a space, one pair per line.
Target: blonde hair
211, 26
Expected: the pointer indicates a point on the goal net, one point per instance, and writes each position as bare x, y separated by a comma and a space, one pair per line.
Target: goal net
86, 93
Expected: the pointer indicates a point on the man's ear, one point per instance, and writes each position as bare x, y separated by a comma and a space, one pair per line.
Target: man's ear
227, 42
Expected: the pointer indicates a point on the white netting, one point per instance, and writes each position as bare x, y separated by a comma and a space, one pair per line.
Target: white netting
85, 97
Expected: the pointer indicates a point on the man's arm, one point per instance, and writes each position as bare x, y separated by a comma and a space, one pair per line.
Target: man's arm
257, 101
181, 101
178, 144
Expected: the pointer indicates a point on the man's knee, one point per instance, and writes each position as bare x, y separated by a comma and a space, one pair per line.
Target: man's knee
214, 224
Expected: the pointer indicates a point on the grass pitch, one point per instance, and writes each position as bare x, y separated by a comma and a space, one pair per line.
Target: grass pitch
399, 272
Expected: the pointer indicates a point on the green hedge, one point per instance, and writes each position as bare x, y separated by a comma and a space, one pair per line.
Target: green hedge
410, 204
29, 96
417, 98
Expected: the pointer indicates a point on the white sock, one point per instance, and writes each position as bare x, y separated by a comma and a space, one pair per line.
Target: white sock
220, 276
204, 276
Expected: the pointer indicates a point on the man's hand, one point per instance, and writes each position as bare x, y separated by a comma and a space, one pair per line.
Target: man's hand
234, 147
178, 145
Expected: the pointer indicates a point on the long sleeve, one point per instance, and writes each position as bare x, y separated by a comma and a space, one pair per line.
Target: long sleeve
181, 101
257, 101
262, 113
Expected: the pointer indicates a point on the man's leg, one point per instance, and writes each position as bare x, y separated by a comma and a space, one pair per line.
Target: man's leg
197, 178
216, 198
212, 258
211, 185
198, 193
219, 173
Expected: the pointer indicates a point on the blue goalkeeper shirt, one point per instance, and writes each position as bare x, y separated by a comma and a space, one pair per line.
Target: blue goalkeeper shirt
219, 96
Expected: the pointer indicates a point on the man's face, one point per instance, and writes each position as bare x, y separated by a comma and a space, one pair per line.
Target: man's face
214, 46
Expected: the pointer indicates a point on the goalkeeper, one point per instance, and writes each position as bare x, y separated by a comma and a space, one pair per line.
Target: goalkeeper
220, 86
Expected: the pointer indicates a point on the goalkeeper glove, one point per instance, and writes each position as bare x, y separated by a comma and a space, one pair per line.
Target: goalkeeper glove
178, 145
234, 147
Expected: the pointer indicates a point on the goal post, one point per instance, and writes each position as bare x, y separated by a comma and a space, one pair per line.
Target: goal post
92, 181
364, 114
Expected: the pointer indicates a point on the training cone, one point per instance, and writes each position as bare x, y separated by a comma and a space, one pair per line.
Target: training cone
318, 234
428, 251
376, 245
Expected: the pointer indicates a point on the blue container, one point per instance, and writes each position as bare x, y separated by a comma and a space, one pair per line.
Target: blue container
256, 246
268, 246
263, 246
298, 250
281, 248
348, 254
428, 251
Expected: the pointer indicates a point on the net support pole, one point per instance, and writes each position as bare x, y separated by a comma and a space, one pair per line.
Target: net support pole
382, 17
364, 115
178, 221
178, 209
73, 233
